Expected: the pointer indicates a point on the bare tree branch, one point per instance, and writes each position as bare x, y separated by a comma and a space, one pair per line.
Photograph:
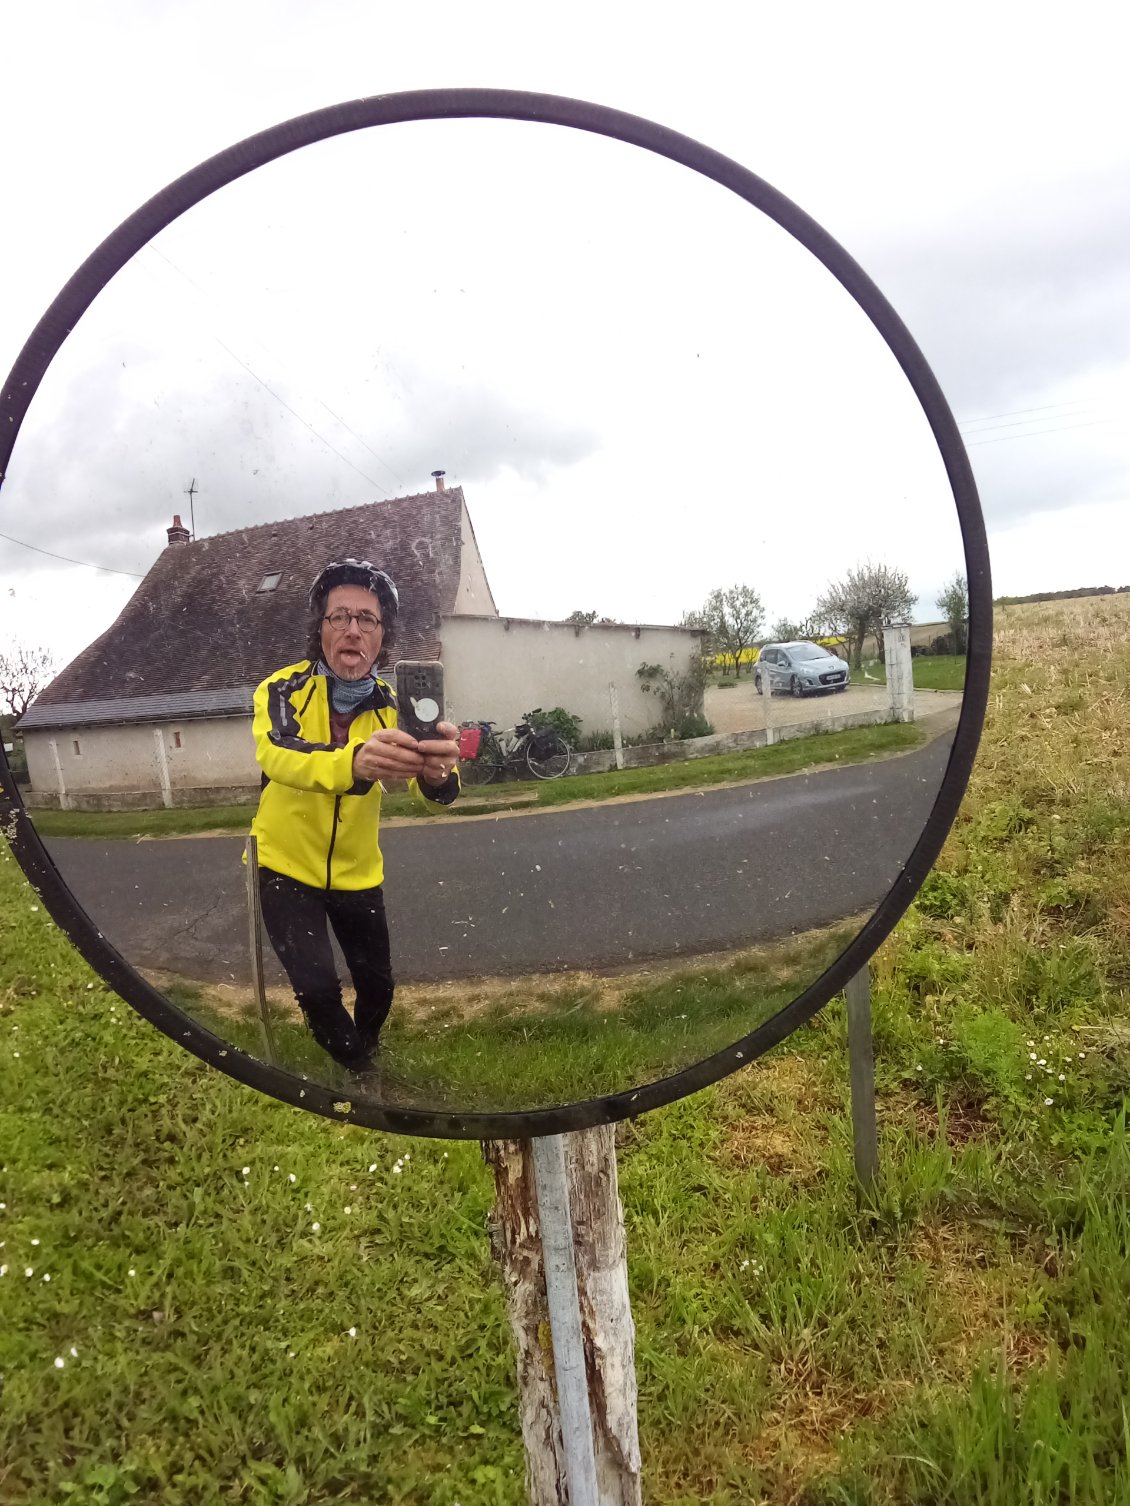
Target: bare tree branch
24, 672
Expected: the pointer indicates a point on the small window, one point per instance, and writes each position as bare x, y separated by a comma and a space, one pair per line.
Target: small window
176, 739
75, 746
269, 582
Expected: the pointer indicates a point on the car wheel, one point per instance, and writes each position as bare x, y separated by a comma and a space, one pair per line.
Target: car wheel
796, 687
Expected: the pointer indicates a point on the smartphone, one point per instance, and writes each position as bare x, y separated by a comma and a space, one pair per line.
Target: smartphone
419, 697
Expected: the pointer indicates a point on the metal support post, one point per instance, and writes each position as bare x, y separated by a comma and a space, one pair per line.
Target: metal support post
861, 1061
556, 1222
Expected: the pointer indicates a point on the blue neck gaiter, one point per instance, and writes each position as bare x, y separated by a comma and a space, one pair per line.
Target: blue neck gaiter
345, 695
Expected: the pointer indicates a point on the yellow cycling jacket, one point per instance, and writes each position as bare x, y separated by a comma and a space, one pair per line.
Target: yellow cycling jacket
315, 822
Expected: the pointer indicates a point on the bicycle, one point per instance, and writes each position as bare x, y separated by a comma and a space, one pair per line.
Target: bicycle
541, 750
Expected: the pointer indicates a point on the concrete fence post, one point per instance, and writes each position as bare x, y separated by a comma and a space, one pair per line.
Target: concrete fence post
162, 761
64, 798
766, 672
900, 675
617, 737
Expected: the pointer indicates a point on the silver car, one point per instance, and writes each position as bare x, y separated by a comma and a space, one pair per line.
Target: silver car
799, 668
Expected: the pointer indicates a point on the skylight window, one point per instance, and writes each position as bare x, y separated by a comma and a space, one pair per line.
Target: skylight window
269, 582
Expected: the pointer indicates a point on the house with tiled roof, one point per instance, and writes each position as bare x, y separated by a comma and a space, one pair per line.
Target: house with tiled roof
157, 710
161, 701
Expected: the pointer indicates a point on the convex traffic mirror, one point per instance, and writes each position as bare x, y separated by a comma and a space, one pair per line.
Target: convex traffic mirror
625, 427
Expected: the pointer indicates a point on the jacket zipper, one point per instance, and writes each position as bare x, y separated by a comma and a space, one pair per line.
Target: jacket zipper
337, 814
333, 837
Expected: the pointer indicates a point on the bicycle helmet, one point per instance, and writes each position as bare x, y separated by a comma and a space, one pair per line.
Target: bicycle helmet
354, 572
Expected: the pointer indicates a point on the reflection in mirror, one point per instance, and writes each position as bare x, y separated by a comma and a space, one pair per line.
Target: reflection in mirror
632, 457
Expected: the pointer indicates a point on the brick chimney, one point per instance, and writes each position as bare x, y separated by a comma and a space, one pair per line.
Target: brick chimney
439, 475
178, 533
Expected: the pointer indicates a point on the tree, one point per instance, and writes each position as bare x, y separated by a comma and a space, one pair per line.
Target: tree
786, 631
869, 598
732, 620
954, 603
24, 672
586, 619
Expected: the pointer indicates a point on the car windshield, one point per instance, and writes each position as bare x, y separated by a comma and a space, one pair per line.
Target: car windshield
810, 651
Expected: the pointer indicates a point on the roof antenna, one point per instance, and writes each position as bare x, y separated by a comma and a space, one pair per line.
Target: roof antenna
190, 491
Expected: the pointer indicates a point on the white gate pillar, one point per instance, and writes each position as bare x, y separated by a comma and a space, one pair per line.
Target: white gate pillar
900, 676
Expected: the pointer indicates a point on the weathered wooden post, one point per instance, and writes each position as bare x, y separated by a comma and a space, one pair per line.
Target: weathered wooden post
255, 937
557, 1203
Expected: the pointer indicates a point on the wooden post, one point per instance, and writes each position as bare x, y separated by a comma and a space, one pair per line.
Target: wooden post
861, 1064
607, 1335
255, 935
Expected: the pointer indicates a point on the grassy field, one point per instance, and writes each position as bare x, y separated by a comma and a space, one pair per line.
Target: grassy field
930, 672
247, 1305
856, 746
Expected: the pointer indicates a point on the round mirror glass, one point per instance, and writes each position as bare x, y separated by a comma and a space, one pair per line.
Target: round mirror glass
638, 464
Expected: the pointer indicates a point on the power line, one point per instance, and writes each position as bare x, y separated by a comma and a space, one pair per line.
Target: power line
1019, 423
133, 574
283, 403
1035, 433
1015, 412
335, 416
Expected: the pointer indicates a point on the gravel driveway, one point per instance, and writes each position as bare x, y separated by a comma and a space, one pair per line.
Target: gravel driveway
741, 709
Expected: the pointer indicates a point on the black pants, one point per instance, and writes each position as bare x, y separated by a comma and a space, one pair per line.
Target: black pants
295, 916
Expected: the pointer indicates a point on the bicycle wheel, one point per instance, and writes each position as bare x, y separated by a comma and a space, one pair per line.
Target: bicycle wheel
484, 769
547, 755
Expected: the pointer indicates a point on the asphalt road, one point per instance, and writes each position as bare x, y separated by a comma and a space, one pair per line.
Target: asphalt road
595, 887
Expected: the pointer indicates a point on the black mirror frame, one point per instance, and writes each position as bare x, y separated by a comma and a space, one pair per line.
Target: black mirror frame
452, 104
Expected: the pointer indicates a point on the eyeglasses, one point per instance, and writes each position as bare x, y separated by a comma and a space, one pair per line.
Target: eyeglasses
368, 622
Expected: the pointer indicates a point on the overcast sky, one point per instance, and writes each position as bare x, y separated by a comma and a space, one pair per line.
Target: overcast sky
645, 388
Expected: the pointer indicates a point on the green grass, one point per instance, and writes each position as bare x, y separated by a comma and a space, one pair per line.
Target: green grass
563, 1041
956, 1338
179, 821
855, 746
930, 672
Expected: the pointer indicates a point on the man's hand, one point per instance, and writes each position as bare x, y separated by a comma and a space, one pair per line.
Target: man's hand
440, 754
388, 754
